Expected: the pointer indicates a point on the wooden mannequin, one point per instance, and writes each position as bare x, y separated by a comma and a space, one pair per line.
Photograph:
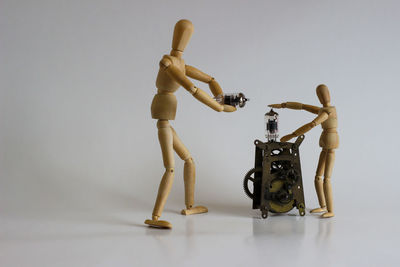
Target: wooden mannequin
172, 74
329, 141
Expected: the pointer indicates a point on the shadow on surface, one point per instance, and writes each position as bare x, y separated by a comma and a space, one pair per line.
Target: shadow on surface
279, 225
232, 209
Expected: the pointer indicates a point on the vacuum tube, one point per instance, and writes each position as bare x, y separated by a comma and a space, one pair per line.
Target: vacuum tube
271, 125
232, 99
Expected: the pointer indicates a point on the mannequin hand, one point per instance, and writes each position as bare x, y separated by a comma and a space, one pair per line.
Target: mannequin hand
229, 108
287, 137
277, 105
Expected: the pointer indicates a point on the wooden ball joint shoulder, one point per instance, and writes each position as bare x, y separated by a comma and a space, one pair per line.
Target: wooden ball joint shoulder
329, 141
172, 74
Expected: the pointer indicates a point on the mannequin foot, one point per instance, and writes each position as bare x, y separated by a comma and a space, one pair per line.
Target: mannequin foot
318, 210
194, 210
327, 215
158, 223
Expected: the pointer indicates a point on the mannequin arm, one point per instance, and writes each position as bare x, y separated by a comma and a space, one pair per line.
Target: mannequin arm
177, 75
204, 98
197, 74
296, 105
305, 128
180, 78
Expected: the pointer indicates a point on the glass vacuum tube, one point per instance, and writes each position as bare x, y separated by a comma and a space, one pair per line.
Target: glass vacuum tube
232, 99
271, 125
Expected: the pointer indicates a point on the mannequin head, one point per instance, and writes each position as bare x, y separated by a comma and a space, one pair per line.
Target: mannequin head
323, 95
182, 32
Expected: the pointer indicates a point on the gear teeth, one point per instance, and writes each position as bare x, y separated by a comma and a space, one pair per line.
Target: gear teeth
245, 182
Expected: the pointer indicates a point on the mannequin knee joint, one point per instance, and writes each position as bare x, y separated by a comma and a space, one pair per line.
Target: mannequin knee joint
318, 178
189, 160
169, 169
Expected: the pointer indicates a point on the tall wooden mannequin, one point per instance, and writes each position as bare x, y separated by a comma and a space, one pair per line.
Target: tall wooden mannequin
329, 141
172, 74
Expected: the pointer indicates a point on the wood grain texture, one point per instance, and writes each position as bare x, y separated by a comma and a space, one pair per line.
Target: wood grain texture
329, 141
172, 74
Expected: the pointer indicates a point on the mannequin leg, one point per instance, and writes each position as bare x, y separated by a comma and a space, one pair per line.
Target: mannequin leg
319, 183
165, 137
189, 176
330, 160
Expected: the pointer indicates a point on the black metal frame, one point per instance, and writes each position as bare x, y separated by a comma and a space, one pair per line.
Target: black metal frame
265, 157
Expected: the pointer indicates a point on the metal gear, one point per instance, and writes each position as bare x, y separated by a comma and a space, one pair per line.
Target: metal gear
250, 177
282, 197
276, 177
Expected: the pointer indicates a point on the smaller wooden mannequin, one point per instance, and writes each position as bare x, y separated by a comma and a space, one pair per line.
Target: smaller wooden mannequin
329, 141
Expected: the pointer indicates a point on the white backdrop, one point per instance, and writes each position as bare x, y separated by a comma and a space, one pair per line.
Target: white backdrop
77, 79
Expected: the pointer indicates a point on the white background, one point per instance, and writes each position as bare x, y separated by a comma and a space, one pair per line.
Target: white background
80, 161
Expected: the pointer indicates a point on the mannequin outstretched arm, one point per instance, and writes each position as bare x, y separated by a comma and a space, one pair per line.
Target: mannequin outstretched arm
199, 94
296, 105
305, 128
197, 74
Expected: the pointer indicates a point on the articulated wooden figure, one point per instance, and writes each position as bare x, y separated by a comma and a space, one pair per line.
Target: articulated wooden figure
172, 74
329, 141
